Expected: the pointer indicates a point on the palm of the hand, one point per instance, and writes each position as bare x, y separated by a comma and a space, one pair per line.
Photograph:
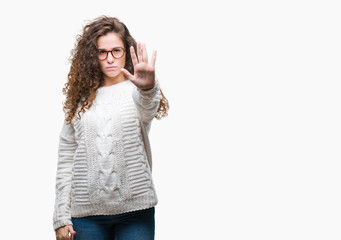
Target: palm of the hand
144, 75
144, 72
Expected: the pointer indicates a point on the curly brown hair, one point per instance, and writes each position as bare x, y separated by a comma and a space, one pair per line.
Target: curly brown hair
85, 76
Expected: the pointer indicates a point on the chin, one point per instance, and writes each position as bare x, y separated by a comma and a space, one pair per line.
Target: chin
112, 74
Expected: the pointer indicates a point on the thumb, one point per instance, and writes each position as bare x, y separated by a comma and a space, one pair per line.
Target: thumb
127, 74
72, 231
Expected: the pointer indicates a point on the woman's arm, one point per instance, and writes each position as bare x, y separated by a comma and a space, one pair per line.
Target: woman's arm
66, 150
147, 93
147, 102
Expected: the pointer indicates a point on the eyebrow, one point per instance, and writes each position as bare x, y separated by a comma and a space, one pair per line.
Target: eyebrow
110, 49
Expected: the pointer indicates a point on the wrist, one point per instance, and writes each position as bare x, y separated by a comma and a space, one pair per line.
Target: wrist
146, 89
149, 88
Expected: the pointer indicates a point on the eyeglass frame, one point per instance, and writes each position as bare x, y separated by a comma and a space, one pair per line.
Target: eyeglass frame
112, 54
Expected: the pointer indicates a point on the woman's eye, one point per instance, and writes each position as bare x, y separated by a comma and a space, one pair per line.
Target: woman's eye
117, 50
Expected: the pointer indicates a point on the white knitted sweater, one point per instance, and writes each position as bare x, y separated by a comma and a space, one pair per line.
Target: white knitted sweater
104, 159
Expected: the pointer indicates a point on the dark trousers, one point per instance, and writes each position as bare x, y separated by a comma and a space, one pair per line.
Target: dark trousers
137, 225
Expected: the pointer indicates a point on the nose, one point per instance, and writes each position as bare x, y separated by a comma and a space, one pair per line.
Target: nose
110, 58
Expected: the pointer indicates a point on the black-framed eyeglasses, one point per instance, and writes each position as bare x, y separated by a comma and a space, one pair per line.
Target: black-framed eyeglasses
117, 52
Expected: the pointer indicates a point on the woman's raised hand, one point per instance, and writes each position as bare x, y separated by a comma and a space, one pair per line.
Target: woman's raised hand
144, 71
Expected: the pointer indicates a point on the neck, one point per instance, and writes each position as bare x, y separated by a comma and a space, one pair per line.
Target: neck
108, 81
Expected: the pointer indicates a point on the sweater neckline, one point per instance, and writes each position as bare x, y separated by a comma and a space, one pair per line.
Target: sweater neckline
109, 88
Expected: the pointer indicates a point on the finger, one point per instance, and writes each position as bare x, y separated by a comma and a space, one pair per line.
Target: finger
133, 56
139, 52
144, 52
127, 73
72, 232
153, 60
72, 235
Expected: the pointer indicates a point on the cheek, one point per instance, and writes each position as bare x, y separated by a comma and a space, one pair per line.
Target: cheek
123, 62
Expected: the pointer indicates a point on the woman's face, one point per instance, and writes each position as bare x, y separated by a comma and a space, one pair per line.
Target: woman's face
111, 66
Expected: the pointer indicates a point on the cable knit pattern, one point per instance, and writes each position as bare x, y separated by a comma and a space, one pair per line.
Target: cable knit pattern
104, 159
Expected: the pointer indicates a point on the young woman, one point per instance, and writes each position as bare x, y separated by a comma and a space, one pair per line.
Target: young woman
104, 185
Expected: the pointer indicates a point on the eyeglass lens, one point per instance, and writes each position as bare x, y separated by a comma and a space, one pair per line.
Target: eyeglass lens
116, 53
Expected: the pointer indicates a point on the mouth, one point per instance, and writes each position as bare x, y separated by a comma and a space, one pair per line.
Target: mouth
112, 67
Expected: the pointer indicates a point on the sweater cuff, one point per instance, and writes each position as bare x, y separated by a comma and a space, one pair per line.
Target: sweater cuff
61, 223
150, 92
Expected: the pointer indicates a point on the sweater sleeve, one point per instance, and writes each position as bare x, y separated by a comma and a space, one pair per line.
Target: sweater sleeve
147, 102
66, 150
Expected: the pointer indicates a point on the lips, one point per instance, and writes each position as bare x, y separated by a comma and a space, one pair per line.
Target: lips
112, 67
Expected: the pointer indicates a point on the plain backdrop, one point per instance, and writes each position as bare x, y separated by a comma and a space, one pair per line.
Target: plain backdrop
251, 146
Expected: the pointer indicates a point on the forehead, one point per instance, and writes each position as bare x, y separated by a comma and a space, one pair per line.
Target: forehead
109, 41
